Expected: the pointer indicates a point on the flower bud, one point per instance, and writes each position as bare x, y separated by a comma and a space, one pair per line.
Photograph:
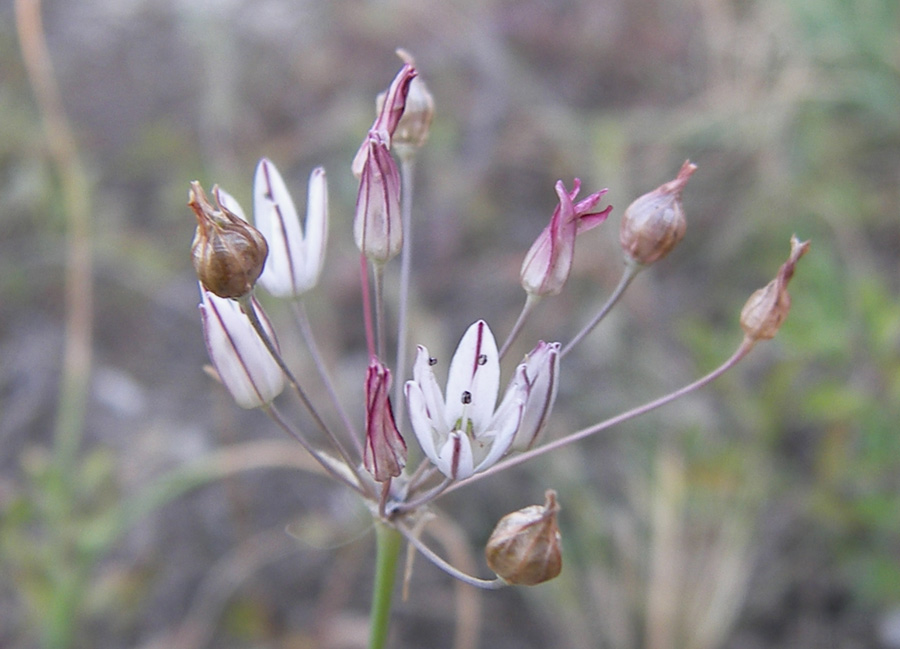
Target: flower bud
767, 308
242, 361
228, 253
654, 223
385, 452
524, 548
548, 262
541, 372
378, 225
415, 123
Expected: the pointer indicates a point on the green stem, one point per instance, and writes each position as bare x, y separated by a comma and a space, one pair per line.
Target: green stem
388, 543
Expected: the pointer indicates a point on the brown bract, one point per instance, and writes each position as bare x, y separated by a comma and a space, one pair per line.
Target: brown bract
227, 252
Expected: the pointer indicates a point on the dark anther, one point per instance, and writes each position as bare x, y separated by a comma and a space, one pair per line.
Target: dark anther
432, 361
467, 397
482, 359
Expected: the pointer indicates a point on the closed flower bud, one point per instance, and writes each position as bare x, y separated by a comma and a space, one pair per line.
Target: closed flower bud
524, 548
385, 452
654, 223
242, 361
767, 308
378, 225
228, 253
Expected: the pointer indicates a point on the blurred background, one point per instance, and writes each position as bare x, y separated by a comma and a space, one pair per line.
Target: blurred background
761, 512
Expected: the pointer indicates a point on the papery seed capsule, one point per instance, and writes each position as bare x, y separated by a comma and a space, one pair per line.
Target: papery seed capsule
654, 223
524, 549
228, 253
765, 311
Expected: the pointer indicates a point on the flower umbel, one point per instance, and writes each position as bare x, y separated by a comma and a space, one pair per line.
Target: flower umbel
467, 432
295, 257
464, 434
385, 452
244, 365
228, 253
548, 262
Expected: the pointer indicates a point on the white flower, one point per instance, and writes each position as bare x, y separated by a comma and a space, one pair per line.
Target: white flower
239, 355
295, 258
464, 434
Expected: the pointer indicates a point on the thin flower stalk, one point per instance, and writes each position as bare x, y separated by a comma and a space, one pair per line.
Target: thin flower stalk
744, 349
631, 271
309, 339
250, 312
407, 177
531, 301
431, 555
331, 466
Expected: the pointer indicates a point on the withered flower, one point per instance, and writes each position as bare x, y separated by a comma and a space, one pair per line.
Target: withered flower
385, 452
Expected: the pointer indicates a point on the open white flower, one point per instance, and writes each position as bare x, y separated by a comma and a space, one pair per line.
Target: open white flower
464, 433
295, 257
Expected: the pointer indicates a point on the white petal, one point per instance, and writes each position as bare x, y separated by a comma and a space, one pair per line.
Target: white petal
316, 237
504, 425
434, 398
275, 216
422, 424
230, 203
457, 450
474, 377
516, 394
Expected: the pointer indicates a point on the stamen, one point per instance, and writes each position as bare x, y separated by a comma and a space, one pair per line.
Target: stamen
482, 359
467, 397
432, 361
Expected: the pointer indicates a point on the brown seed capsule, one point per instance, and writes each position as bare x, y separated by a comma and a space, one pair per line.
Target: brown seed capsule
228, 253
654, 223
767, 308
524, 548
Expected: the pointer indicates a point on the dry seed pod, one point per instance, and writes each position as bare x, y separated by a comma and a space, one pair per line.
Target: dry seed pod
654, 223
767, 308
524, 548
228, 253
